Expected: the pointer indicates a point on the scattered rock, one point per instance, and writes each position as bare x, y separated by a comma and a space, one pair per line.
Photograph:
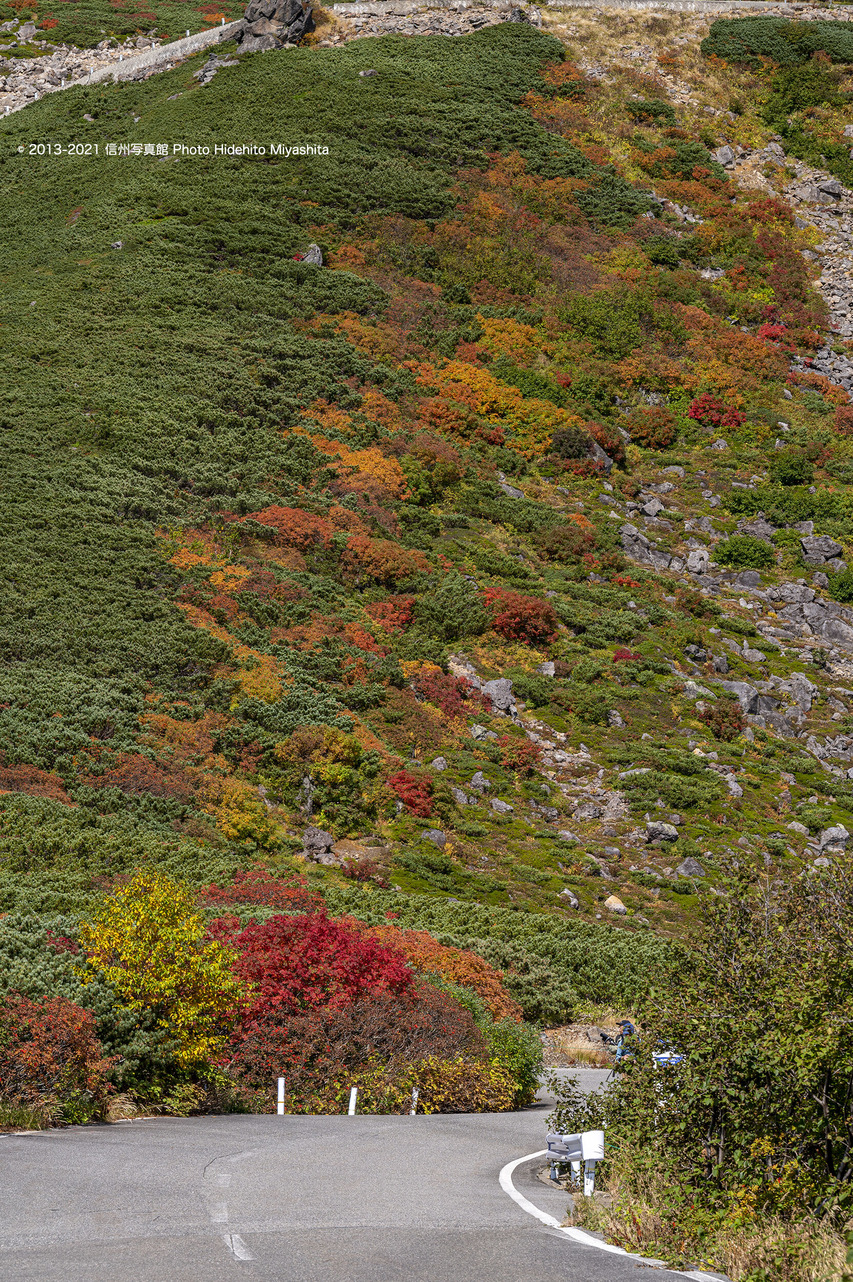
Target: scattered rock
570, 897
436, 836
587, 811
440, 763
614, 905
657, 830
317, 839
690, 868
499, 692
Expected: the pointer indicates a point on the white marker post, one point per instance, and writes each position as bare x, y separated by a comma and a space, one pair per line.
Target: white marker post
280, 1108
353, 1096
592, 1145
415, 1093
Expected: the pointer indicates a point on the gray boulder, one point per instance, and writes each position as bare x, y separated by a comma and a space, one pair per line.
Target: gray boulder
690, 868
499, 692
697, 560
314, 255
270, 24
747, 695
317, 839
570, 897
479, 782
440, 763
657, 830
818, 548
436, 836
501, 807
837, 836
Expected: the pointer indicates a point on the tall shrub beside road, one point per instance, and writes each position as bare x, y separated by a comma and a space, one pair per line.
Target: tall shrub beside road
752, 1127
147, 943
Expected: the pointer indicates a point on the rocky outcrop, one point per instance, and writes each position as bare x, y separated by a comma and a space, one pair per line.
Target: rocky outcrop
274, 24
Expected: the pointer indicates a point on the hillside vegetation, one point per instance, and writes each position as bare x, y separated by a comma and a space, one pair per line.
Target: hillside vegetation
402, 652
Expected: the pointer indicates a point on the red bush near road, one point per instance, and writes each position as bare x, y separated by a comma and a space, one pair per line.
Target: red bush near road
51, 1059
301, 962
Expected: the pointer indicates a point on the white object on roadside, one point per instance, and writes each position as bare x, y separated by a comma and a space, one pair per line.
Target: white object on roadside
353, 1096
280, 1108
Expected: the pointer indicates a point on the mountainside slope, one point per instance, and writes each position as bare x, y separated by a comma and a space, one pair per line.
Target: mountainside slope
279, 536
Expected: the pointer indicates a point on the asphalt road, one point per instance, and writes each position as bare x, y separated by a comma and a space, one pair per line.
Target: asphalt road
286, 1199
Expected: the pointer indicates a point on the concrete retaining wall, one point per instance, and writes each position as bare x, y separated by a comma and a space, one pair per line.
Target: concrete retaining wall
160, 56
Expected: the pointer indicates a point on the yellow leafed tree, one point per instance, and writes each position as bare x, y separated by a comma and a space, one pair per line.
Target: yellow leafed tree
147, 942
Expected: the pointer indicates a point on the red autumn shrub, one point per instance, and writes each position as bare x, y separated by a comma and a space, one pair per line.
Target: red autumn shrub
51, 1059
624, 656
524, 618
454, 695
458, 965
34, 782
724, 719
294, 528
653, 427
258, 886
711, 412
414, 791
519, 754
844, 420
772, 333
310, 1049
297, 963
394, 615
134, 774
380, 560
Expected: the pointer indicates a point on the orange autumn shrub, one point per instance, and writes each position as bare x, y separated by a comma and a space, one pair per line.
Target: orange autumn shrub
457, 965
381, 561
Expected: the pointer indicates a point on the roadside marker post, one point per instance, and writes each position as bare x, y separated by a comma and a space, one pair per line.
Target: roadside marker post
592, 1144
353, 1096
280, 1108
581, 1147
415, 1093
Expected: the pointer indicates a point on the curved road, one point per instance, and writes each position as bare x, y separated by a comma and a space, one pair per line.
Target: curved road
286, 1199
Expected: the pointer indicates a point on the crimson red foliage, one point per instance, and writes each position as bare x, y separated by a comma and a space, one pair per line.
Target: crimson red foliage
519, 754
258, 886
711, 412
394, 615
524, 618
310, 1048
50, 1055
414, 792
624, 656
454, 695
298, 963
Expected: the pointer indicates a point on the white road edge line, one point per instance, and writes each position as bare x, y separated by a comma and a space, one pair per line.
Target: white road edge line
578, 1235
237, 1247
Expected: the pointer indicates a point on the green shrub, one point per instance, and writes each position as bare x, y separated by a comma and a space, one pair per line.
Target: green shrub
793, 468
748, 40
652, 111
841, 586
743, 551
452, 609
